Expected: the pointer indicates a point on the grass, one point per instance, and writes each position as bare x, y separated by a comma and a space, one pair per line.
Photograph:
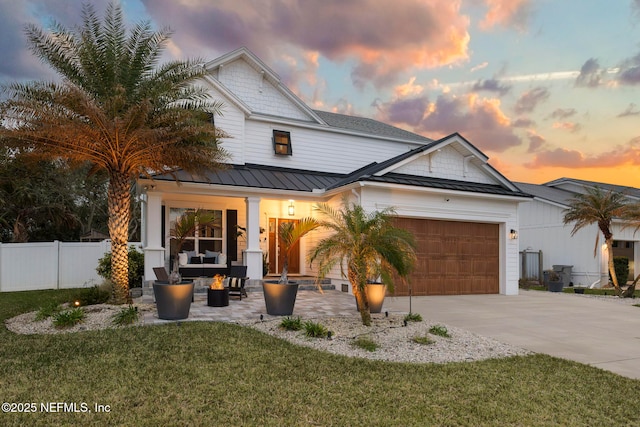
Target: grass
365, 343
587, 291
126, 316
205, 373
413, 317
68, 318
422, 339
291, 324
315, 330
439, 330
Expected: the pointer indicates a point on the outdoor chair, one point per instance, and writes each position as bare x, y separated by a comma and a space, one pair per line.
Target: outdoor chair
161, 274
237, 279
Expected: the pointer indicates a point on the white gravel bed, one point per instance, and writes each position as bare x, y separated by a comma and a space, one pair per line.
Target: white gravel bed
395, 340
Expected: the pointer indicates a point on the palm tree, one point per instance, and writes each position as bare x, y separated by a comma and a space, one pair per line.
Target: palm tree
289, 234
599, 207
370, 244
116, 109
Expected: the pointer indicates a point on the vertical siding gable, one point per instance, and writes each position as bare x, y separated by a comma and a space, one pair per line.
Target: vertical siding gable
257, 92
448, 163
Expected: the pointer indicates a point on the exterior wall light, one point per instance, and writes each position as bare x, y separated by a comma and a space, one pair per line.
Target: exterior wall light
513, 234
292, 209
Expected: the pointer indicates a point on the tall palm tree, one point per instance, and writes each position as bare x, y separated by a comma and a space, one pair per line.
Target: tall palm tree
115, 108
599, 207
369, 244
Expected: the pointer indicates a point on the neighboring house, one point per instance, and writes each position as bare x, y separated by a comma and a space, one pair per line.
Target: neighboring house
542, 229
285, 157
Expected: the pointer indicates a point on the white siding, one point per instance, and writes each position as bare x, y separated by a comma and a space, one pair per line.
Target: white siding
257, 92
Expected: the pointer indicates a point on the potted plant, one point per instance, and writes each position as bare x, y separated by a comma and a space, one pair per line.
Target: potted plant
280, 297
555, 284
368, 244
173, 300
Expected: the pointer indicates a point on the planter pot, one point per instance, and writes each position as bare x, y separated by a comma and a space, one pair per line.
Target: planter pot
173, 301
556, 286
578, 290
280, 298
217, 297
375, 295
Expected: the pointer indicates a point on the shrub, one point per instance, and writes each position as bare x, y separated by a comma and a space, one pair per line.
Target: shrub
48, 310
126, 316
621, 267
291, 324
136, 267
315, 330
424, 340
68, 318
413, 317
93, 295
440, 331
365, 343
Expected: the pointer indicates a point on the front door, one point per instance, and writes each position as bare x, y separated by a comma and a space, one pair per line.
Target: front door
276, 256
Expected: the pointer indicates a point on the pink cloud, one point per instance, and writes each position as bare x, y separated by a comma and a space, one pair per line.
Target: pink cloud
568, 126
506, 13
481, 120
530, 100
382, 38
628, 154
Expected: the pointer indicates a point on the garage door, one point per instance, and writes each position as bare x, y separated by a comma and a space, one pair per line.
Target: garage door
454, 258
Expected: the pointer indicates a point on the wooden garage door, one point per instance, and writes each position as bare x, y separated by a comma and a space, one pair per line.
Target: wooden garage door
454, 258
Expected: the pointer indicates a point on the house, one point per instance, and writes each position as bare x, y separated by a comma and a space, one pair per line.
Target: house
542, 229
286, 156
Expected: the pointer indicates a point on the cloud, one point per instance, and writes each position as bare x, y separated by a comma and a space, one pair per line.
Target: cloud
481, 66
522, 122
590, 74
506, 13
530, 99
568, 126
631, 110
409, 88
382, 39
630, 71
536, 142
563, 113
627, 154
481, 120
491, 85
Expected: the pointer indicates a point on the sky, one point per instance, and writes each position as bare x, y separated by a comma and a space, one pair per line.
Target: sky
545, 88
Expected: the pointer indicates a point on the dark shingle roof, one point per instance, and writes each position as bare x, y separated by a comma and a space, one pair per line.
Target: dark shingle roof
260, 176
369, 126
446, 184
629, 191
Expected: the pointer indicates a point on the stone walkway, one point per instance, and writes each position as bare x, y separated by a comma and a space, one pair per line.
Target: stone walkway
309, 304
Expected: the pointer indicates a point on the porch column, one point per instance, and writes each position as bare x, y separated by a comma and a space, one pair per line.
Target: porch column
152, 224
253, 251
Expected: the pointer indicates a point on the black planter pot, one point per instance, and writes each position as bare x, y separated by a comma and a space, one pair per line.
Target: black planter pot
578, 290
217, 297
375, 296
280, 298
555, 286
173, 301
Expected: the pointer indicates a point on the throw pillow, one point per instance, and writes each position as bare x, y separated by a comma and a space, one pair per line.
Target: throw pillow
209, 260
211, 254
222, 259
195, 260
182, 258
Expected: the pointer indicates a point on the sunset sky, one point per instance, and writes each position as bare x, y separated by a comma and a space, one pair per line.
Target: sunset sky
545, 88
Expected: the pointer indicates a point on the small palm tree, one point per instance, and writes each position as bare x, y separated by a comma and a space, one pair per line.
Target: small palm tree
370, 246
289, 234
186, 226
115, 109
599, 207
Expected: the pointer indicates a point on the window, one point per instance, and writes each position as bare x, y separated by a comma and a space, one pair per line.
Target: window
204, 238
282, 142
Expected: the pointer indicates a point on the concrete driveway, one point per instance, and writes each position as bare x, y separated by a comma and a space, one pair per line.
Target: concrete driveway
601, 333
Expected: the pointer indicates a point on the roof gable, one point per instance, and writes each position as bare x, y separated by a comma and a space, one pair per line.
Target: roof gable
257, 88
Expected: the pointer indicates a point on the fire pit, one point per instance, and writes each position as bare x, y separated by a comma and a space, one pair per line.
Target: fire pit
217, 294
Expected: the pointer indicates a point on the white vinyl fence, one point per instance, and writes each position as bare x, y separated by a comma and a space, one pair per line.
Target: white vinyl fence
51, 265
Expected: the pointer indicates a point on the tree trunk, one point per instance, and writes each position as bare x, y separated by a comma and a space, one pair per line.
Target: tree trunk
119, 203
284, 276
361, 297
612, 269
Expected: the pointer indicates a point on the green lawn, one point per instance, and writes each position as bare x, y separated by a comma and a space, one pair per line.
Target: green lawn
217, 374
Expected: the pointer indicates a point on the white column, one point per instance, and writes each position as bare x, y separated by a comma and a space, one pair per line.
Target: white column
152, 224
253, 251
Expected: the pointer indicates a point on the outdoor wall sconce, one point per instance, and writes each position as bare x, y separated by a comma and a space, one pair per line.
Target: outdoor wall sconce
292, 209
513, 234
